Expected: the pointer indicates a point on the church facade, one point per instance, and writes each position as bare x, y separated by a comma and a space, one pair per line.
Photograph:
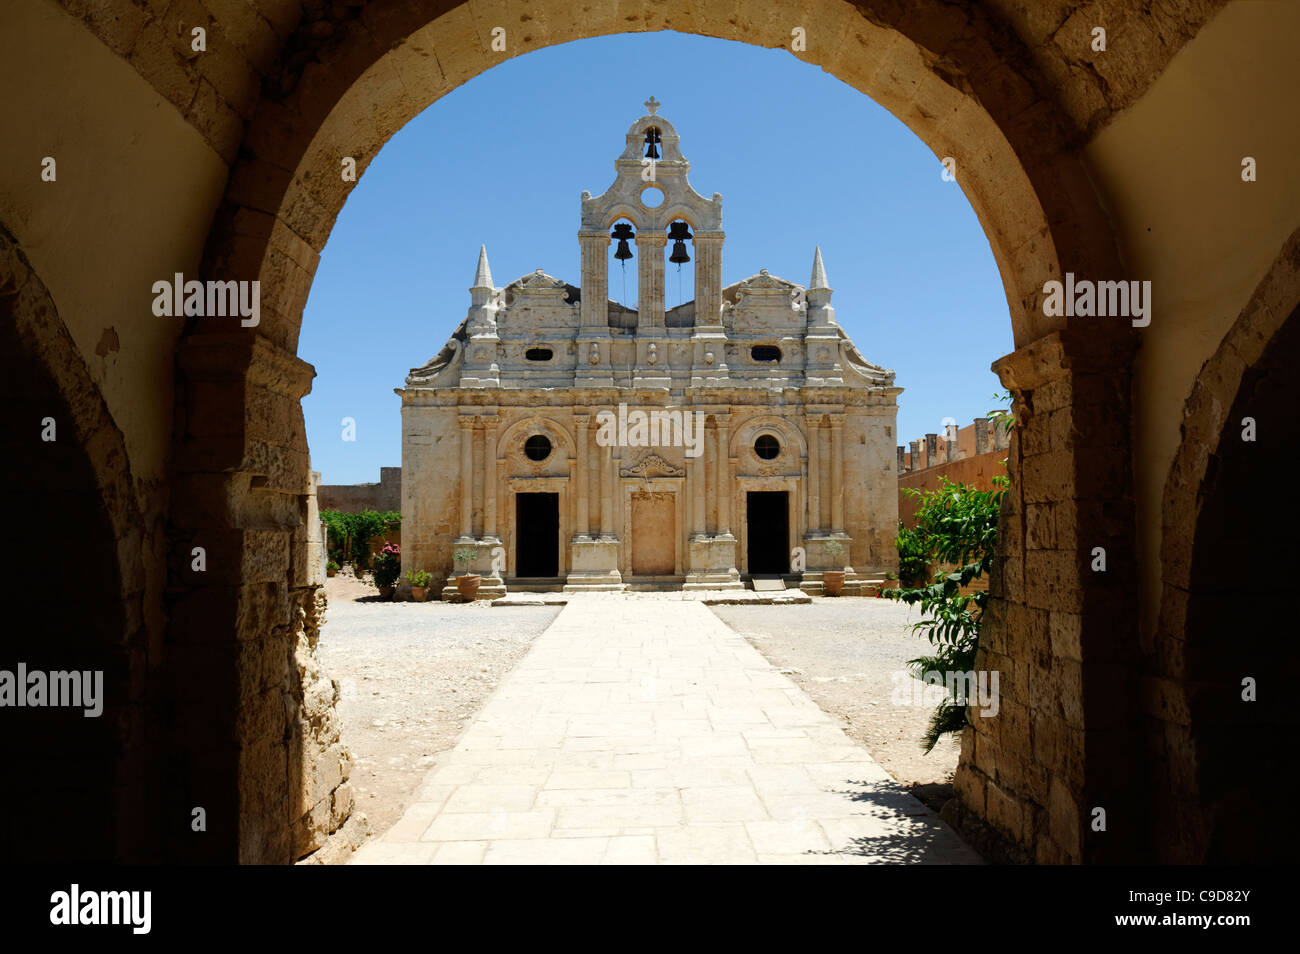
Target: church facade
561, 440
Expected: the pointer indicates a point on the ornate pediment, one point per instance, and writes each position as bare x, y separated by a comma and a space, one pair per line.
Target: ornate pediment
765, 280
652, 465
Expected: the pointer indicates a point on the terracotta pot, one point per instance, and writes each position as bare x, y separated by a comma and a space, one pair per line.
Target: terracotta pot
419, 593
386, 592
468, 585
833, 582
331, 573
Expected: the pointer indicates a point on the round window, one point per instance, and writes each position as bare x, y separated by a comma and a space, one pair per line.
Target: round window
767, 447
537, 447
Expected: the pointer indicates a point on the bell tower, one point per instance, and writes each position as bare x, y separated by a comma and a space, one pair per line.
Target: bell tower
651, 191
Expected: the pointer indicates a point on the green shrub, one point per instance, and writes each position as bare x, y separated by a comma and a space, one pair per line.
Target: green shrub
913, 556
351, 533
956, 525
419, 578
388, 565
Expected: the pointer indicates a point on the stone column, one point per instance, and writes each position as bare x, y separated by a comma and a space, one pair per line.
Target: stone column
580, 473
931, 450
467, 476
725, 483
607, 492
594, 244
696, 479
837, 473
981, 435
902, 464
710, 479
708, 279
650, 280
490, 476
814, 473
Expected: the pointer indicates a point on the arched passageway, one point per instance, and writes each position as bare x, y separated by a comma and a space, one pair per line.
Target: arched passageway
81, 752
1215, 692
1026, 184
1044, 136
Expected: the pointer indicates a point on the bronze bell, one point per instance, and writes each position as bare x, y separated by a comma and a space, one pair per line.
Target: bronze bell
679, 232
622, 232
652, 140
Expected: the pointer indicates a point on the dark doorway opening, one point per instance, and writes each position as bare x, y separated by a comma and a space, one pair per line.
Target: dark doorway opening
537, 535
767, 515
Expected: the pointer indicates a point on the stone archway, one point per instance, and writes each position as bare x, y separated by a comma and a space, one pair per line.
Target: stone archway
1213, 757
82, 569
966, 87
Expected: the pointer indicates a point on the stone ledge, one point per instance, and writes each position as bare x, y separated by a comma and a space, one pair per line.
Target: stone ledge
537, 599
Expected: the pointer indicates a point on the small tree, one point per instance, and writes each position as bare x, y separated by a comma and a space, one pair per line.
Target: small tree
956, 525
462, 557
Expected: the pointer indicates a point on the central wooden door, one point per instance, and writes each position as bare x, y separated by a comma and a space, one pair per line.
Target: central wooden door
654, 534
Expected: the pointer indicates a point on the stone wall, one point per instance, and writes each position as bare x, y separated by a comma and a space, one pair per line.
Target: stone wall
1062, 636
384, 496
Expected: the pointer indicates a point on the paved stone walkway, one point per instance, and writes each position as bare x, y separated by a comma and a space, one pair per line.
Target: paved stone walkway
646, 731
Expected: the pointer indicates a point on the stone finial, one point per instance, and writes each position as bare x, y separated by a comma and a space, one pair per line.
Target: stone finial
483, 274
818, 279
652, 105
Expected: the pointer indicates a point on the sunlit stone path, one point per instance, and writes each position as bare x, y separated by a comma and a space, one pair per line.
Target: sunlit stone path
640, 730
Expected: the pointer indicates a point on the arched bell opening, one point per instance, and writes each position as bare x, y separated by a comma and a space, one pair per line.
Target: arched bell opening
653, 139
679, 275
622, 272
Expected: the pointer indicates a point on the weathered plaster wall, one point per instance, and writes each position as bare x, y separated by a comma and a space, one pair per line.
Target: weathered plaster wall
1169, 170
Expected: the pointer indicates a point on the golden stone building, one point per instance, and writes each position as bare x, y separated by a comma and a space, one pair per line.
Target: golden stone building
575, 443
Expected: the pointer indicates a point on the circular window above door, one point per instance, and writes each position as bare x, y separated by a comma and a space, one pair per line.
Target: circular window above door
537, 447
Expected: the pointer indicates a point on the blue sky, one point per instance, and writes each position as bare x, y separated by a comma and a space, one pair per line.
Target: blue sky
800, 158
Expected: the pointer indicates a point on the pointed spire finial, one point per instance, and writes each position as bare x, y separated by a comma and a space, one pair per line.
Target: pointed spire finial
652, 105
818, 272
483, 274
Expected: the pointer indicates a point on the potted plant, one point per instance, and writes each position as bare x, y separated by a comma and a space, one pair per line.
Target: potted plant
419, 580
387, 568
467, 583
833, 580
331, 568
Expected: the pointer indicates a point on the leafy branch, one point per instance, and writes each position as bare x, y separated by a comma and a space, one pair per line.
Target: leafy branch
956, 525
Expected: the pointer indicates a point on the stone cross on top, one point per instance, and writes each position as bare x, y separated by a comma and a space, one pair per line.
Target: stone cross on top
652, 105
